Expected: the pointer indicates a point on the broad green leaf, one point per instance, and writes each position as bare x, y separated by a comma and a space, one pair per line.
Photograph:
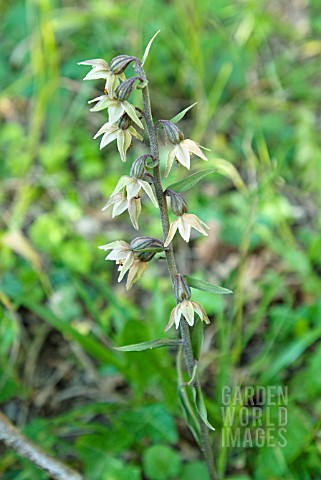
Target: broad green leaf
206, 286
190, 181
161, 462
200, 406
148, 48
152, 421
139, 347
197, 338
182, 114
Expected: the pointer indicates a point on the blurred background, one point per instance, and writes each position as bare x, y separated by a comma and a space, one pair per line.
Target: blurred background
254, 69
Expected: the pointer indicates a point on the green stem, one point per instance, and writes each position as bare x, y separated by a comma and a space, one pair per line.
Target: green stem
172, 268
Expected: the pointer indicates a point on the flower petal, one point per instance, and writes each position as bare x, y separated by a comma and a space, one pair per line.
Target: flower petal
106, 128
135, 133
172, 230
112, 82
107, 139
115, 110
131, 112
170, 159
111, 201
177, 315
200, 312
116, 254
124, 140
126, 265
96, 62
97, 73
103, 102
183, 156
134, 209
118, 244
135, 272
120, 207
148, 189
133, 189
184, 228
194, 148
122, 182
171, 320
196, 223
188, 311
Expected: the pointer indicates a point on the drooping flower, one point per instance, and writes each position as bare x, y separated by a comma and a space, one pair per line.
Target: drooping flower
131, 200
116, 109
133, 188
101, 69
124, 137
183, 151
184, 224
122, 254
187, 309
120, 203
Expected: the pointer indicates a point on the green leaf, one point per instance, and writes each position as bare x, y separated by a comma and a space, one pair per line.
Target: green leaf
200, 406
148, 48
188, 410
181, 114
206, 286
197, 338
139, 347
161, 463
190, 181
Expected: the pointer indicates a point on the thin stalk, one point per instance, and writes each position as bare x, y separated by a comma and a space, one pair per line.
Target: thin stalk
11, 437
172, 268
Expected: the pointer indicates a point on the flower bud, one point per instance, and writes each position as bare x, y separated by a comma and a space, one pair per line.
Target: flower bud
118, 64
138, 167
181, 288
178, 204
146, 243
124, 90
124, 122
173, 133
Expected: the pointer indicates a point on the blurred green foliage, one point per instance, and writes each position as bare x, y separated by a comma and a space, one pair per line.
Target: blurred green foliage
254, 69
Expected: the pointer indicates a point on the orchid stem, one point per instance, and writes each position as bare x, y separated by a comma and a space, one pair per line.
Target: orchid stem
172, 268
